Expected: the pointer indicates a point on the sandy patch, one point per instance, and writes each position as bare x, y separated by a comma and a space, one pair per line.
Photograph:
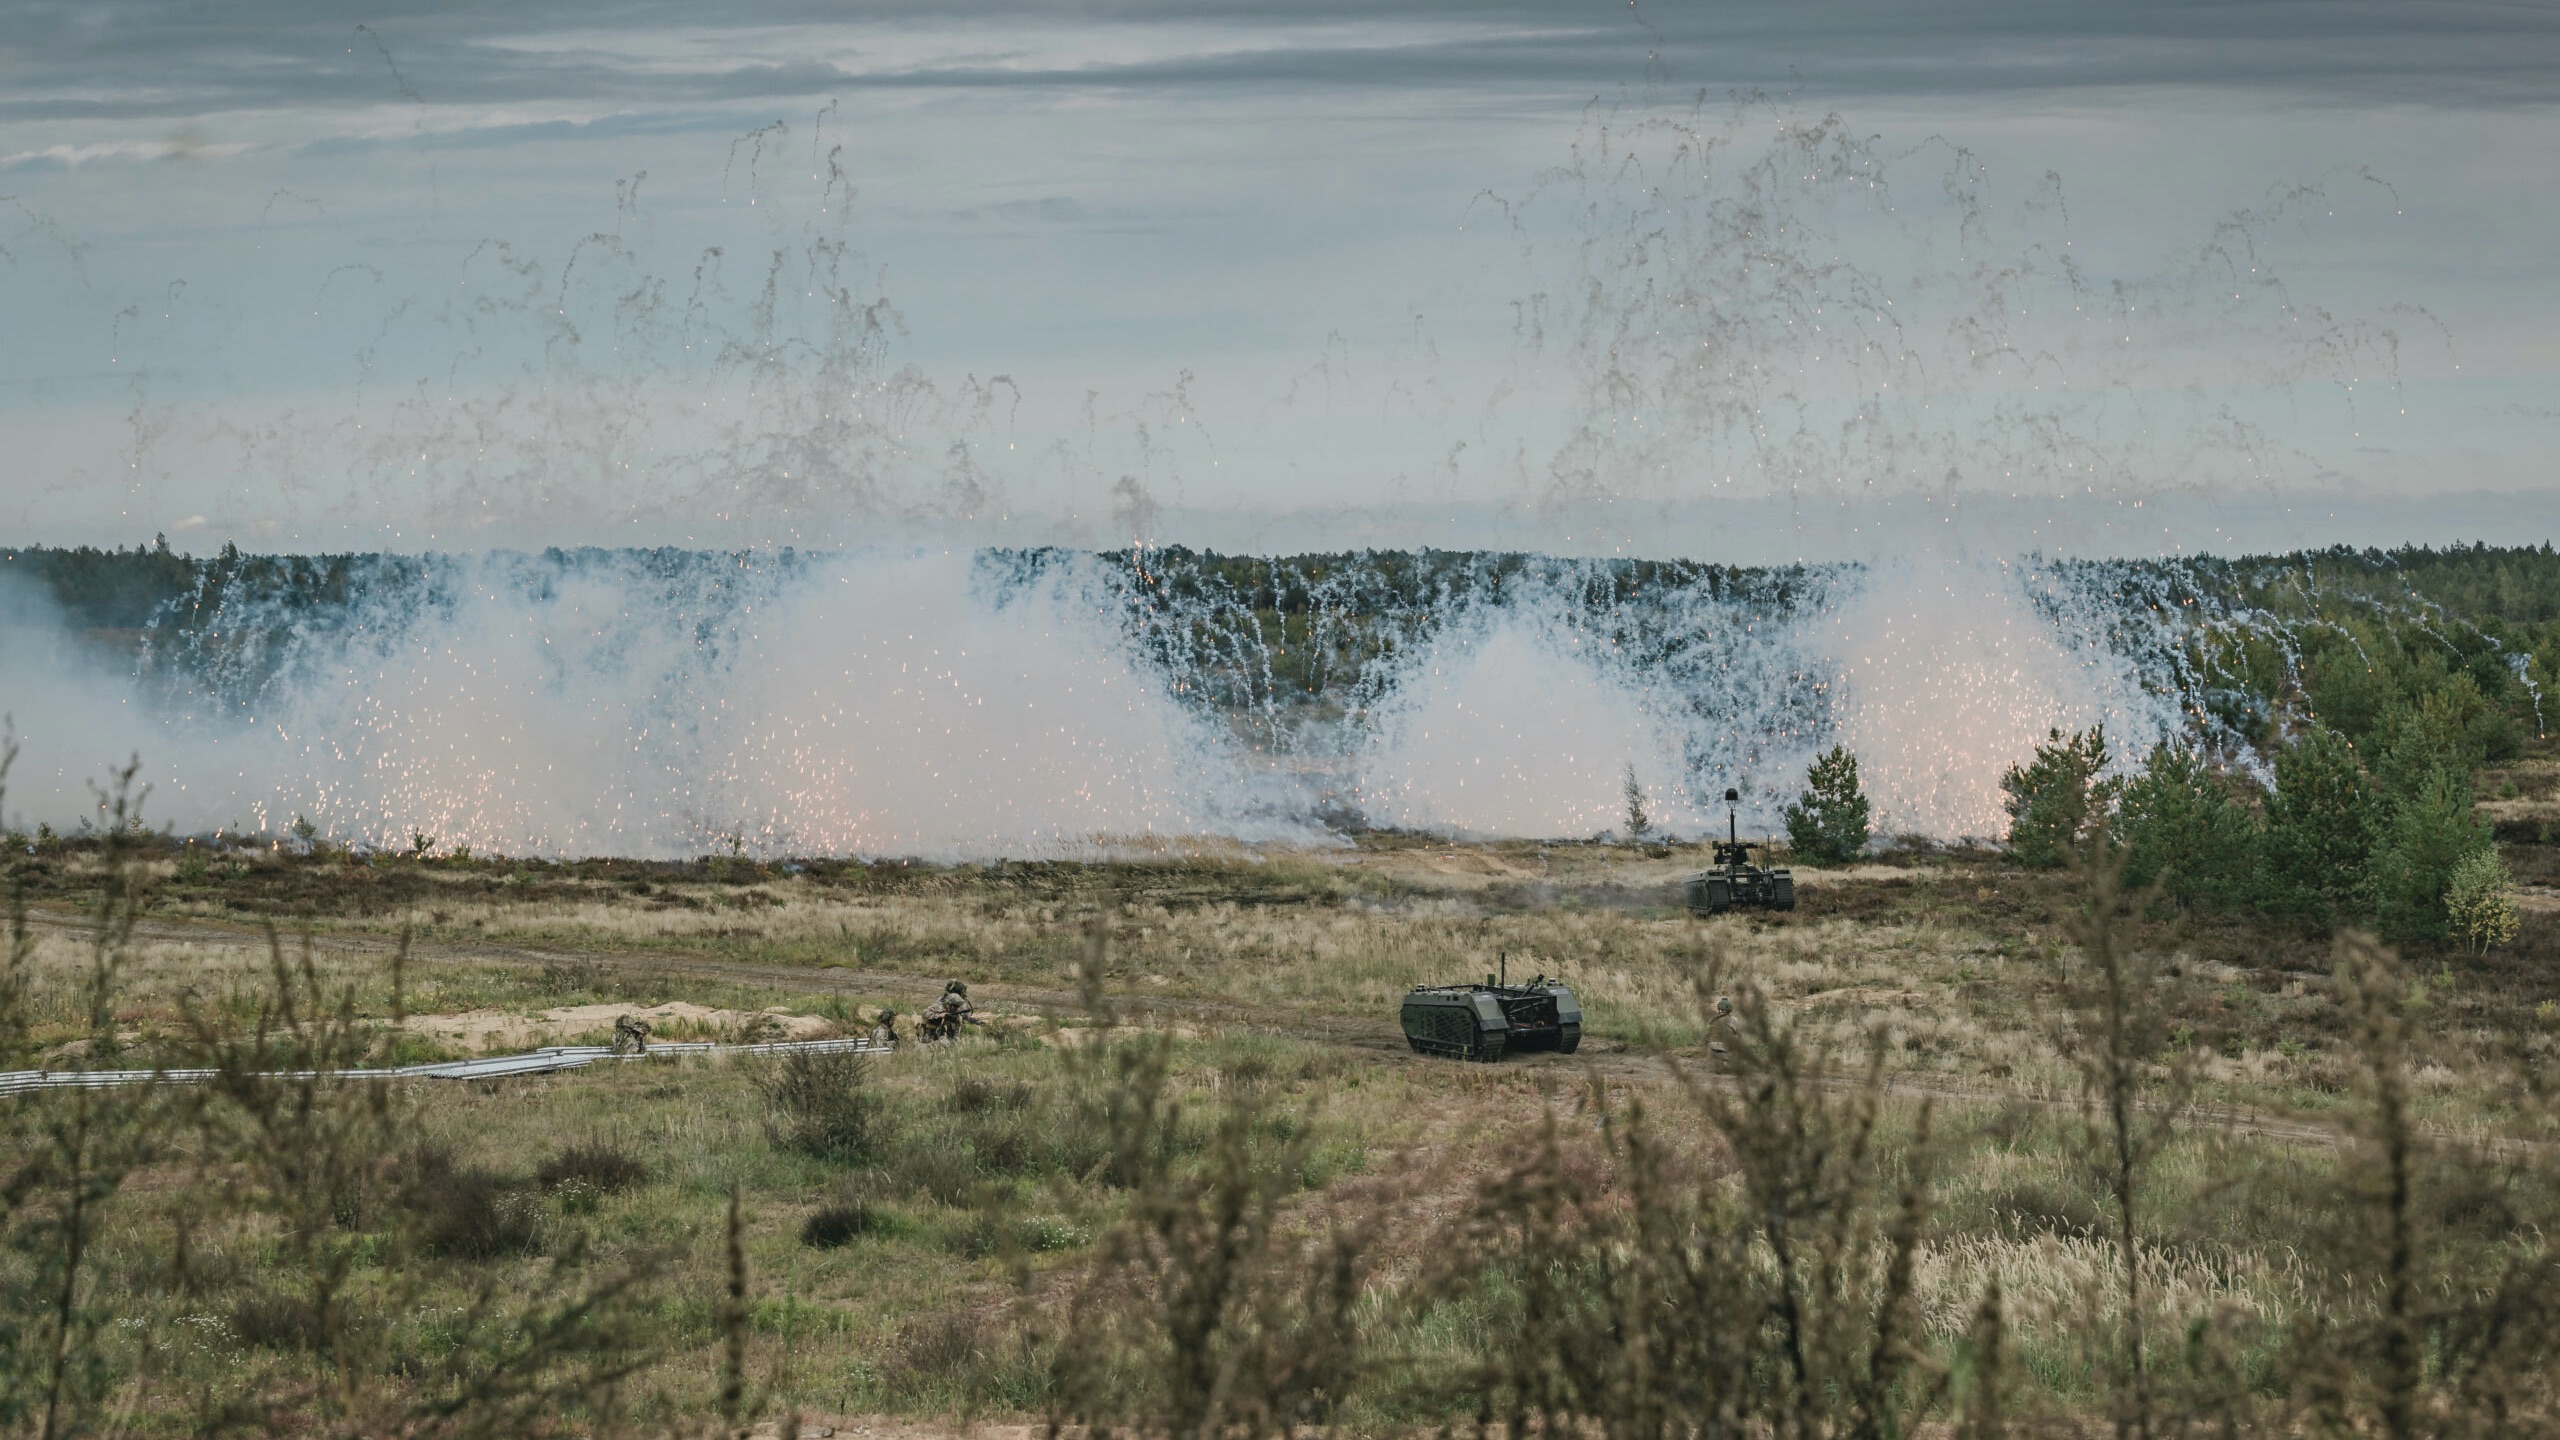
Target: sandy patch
890, 1427
572, 1024
1076, 1037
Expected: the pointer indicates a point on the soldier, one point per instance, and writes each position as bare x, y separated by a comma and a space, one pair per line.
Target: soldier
630, 1036
884, 1030
943, 1019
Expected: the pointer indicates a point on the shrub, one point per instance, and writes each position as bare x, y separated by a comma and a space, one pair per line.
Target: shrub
1828, 825
2056, 799
2323, 819
940, 1346
823, 1105
831, 1226
1007, 1143
938, 1163
2480, 902
2180, 825
277, 1322
2431, 834
466, 1211
594, 1164
973, 1093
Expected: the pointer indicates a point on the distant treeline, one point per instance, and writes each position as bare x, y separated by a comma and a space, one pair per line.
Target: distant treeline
2258, 643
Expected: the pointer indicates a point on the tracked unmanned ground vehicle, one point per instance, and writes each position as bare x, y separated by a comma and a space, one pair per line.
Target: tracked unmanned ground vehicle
1733, 880
1491, 1020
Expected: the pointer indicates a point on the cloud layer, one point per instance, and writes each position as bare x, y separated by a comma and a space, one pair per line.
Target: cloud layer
798, 273
177, 62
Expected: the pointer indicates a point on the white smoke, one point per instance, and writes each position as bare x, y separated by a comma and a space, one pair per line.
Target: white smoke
1508, 726
940, 705
869, 705
1945, 676
1937, 671
74, 716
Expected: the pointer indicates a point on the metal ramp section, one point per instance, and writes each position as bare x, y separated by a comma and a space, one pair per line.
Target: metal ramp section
548, 1059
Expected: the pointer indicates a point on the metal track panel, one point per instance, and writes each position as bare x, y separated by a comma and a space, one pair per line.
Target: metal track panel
544, 1061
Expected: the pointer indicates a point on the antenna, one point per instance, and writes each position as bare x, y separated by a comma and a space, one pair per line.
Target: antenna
1732, 834
1503, 957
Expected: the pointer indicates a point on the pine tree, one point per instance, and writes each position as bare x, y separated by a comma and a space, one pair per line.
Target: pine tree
1828, 825
2180, 824
2056, 798
2431, 834
1639, 824
2323, 819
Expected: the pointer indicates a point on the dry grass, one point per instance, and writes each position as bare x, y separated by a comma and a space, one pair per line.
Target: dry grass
1951, 959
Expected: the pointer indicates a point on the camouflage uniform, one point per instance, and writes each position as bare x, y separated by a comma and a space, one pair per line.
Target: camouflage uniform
948, 1014
630, 1036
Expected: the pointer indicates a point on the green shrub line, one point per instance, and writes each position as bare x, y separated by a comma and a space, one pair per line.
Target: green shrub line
2330, 842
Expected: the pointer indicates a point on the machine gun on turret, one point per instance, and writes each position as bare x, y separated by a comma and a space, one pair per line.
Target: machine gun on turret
1733, 880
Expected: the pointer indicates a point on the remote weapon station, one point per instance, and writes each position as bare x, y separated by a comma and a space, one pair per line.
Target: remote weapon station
1489, 1021
1733, 880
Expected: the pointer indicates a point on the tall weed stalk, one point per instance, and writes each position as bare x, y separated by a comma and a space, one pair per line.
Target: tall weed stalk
2134, 1093
1635, 1287
1219, 1305
2444, 1314
70, 1153
371, 1223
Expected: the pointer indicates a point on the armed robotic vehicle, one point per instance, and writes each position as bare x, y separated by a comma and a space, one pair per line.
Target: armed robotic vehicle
1733, 880
1488, 1021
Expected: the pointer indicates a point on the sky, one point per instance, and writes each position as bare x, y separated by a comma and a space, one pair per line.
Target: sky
1738, 281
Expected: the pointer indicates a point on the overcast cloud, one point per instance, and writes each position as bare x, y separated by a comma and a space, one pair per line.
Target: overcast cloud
1270, 274
123, 61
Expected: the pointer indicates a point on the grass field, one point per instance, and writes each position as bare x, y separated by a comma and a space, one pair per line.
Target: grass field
1008, 1227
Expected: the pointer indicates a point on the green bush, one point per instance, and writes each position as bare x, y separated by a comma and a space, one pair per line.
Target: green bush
2451, 727
2180, 825
2323, 821
832, 1226
823, 1105
2056, 799
2480, 902
1639, 824
600, 1166
468, 1211
2431, 833
2350, 693
1829, 824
